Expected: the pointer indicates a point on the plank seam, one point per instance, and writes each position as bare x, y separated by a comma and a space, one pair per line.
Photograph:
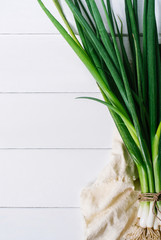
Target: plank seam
46, 34
43, 148
7, 207
51, 92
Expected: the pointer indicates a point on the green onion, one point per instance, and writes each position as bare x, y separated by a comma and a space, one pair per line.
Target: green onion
131, 91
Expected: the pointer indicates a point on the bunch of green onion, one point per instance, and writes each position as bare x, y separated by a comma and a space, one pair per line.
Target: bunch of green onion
131, 88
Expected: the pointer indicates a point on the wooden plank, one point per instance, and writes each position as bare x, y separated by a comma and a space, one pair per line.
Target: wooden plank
27, 17
20, 17
47, 178
42, 224
42, 64
53, 121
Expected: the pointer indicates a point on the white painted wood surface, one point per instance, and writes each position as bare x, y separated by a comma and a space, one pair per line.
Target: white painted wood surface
49, 65
51, 145
53, 121
48, 178
44, 224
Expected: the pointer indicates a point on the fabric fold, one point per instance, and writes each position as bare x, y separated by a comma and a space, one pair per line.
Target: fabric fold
109, 205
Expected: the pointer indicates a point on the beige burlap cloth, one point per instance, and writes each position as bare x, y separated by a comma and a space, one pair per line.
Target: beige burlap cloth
109, 205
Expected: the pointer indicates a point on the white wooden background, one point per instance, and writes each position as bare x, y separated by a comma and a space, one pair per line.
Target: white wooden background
51, 145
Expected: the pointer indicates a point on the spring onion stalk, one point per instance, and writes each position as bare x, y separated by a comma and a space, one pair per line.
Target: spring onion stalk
130, 87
